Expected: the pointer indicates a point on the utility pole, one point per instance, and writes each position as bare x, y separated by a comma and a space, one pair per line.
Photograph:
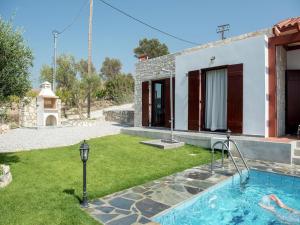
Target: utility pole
222, 29
90, 57
55, 36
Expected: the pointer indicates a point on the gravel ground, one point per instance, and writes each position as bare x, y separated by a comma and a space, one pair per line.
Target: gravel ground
23, 139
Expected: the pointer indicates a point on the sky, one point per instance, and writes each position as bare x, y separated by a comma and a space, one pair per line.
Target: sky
115, 35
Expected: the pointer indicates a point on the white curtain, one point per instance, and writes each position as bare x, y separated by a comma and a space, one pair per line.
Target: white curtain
216, 100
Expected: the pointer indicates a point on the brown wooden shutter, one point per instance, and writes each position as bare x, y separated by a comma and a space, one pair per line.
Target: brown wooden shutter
194, 100
167, 101
145, 103
202, 99
235, 98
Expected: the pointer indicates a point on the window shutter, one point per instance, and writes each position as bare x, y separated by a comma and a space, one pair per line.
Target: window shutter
194, 100
167, 101
235, 98
202, 99
145, 103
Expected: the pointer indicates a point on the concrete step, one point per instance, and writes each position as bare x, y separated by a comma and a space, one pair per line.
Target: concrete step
296, 161
298, 144
297, 152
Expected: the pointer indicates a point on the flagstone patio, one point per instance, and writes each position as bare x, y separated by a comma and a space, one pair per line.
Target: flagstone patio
139, 204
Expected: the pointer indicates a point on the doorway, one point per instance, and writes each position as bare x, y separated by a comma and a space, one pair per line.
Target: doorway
292, 101
158, 106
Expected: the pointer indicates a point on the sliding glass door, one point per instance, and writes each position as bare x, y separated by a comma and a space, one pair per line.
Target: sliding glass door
158, 108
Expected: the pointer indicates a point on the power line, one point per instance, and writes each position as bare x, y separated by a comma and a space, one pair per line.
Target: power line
147, 25
75, 18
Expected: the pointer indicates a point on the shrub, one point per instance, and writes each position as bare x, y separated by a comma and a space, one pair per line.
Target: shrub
120, 89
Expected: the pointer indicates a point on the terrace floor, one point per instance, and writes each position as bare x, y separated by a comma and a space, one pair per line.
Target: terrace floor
138, 205
279, 150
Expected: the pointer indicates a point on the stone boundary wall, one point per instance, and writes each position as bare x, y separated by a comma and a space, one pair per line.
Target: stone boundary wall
28, 112
120, 116
148, 70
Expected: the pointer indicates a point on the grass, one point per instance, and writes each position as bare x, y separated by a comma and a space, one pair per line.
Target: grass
47, 184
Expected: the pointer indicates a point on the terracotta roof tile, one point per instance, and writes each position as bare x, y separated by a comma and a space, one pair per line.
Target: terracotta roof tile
287, 25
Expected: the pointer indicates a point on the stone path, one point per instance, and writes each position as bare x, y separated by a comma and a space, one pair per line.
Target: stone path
27, 139
138, 205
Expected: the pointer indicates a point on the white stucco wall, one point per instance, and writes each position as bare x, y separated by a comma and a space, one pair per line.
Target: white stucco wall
293, 60
252, 53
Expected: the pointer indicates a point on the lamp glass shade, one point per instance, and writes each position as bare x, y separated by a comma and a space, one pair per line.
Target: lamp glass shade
84, 151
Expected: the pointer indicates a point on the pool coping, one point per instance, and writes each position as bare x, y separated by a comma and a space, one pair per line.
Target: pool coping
192, 199
217, 185
110, 209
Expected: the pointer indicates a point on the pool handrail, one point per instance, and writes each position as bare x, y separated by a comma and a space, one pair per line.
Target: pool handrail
226, 143
241, 155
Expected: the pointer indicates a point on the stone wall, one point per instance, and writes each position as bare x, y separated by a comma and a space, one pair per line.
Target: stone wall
120, 116
28, 113
148, 70
281, 64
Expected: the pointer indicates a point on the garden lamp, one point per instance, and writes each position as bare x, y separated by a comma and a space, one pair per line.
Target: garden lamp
84, 154
228, 134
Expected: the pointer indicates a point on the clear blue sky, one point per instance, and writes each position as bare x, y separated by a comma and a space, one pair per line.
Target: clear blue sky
115, 35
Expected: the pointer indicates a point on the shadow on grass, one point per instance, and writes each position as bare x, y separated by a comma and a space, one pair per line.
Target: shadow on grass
8, 158
72, 192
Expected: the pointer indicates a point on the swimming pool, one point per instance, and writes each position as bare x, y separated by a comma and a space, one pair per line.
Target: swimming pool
229, 203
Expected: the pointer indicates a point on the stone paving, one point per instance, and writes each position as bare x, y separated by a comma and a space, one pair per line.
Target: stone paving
139, 204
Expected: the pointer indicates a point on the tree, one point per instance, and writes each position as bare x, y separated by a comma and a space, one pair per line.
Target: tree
152, 48
82, 67
66, 71
121, 88
16, 59
94, 83
110, 68
46, 73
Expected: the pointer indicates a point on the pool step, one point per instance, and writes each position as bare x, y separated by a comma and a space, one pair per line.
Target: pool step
297, 152
296, 160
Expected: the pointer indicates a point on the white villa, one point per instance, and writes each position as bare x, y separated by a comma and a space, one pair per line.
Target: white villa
249, 84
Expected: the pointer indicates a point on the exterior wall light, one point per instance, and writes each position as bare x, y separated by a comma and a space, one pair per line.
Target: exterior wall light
84, 155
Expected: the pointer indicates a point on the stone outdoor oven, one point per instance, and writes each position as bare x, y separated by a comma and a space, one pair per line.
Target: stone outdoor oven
48, 109
44, 110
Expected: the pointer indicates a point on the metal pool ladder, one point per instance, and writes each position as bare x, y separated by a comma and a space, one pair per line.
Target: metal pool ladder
226, 144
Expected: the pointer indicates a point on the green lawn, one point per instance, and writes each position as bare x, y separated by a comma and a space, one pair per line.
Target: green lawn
47, 184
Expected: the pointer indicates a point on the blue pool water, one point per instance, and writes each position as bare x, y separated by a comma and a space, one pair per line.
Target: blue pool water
229, 203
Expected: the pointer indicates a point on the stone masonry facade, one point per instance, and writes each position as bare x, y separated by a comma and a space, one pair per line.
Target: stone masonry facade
281, 61
28, 113
146, 71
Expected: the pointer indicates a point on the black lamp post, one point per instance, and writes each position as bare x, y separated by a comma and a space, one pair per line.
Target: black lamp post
84, 154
